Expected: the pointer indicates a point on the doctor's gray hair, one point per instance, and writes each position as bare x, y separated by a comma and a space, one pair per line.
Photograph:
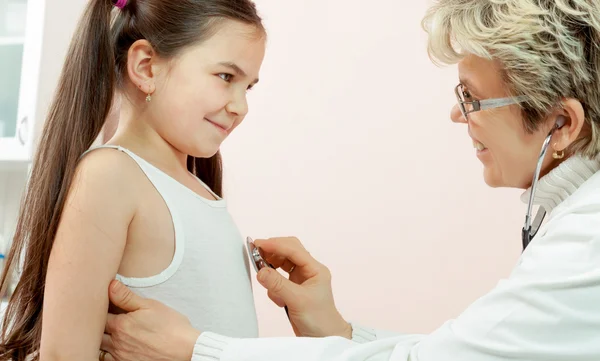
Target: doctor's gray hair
548, 49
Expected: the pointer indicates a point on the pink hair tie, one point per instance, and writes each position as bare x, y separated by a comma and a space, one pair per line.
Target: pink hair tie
121, 4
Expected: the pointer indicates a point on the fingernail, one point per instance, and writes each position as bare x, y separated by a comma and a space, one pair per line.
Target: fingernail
263, 274
114, 286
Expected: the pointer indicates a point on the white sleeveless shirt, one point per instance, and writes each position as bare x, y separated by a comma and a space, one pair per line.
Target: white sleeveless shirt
208, 279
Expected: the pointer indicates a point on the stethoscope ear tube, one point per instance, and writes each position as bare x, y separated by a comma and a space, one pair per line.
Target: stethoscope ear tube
530, 230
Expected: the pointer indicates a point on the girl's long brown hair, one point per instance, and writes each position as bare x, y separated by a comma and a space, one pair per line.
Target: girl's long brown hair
93, 69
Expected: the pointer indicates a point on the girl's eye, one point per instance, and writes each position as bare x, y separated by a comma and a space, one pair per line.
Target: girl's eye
226, 77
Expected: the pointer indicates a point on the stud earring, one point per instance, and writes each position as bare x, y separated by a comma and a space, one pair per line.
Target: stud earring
558, 154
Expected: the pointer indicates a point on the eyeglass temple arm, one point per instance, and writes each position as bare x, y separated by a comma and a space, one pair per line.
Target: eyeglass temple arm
496, 103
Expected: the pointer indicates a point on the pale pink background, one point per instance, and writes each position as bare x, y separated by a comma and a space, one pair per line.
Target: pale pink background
349, 146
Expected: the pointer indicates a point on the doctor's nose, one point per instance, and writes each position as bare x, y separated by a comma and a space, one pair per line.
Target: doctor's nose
456, 115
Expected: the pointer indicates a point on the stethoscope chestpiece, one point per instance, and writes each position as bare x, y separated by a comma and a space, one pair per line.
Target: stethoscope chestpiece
258, 262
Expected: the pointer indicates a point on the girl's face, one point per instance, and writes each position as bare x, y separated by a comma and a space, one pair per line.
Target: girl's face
199, 97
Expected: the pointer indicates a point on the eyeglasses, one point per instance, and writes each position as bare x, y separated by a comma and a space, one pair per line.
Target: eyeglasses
467, 105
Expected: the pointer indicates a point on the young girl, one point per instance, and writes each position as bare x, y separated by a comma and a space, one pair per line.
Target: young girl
147, 207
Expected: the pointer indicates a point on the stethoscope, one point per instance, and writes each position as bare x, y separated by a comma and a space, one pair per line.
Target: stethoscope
258, 262
530, 229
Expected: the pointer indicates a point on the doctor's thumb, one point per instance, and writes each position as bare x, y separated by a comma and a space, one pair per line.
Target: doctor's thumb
277, 285
122, 297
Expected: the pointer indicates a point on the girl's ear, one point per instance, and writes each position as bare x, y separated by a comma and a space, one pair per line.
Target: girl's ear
141, 66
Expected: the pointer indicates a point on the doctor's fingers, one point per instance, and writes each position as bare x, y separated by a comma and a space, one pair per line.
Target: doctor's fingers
274, 260
109, 357
280, 262
107, 343
292, 249
276, 300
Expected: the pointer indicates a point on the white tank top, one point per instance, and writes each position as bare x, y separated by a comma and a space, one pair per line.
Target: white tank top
208, 279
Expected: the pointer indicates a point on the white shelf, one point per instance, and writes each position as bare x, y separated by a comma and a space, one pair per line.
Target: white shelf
12, 40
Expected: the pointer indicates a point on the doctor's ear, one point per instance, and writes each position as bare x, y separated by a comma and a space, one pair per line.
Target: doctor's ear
569, 121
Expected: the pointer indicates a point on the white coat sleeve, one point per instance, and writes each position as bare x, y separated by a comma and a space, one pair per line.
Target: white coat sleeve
547, 310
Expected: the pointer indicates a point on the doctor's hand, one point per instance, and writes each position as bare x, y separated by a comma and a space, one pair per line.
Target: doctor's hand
148, 331
307, 293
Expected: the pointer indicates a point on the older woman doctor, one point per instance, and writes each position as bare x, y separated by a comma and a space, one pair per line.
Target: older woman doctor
529, 79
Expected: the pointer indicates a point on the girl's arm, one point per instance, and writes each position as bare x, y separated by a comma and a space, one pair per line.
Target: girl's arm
86, 255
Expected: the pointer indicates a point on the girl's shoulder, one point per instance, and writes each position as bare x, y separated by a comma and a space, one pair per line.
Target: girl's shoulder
110, 173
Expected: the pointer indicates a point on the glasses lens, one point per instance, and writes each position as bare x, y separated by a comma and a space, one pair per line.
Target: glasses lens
464, 100
460, 99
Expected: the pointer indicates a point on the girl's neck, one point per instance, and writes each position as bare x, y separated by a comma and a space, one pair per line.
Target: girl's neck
134, 132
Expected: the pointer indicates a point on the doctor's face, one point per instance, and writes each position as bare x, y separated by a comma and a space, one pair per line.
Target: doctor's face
507, 151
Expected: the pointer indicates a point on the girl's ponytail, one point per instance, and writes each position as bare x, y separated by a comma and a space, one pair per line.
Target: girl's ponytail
75, 119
